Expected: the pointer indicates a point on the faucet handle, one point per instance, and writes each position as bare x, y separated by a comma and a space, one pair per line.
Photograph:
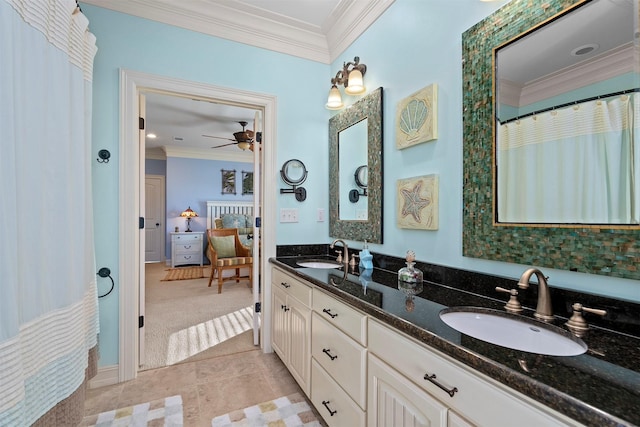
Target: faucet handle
353, 261
339, 258
576, 324
513, 305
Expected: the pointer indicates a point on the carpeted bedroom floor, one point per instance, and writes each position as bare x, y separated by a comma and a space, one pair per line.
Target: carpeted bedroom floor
186, 320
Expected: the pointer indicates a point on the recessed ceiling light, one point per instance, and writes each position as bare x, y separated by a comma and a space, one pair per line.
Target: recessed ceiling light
151, 136
585, 49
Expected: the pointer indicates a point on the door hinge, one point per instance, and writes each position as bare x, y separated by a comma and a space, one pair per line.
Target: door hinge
258, 308
141, 123
140, 321
141, 222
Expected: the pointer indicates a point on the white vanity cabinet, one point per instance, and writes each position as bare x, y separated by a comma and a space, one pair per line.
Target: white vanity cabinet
358, 371
456, 396
291, 325
339, 361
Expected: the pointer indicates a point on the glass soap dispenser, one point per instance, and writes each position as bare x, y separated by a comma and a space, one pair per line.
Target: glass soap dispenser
409, 277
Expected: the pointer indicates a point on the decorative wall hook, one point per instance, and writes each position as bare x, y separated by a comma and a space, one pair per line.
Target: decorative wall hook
103, 156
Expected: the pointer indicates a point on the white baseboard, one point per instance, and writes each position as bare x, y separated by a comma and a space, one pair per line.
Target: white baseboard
107, 375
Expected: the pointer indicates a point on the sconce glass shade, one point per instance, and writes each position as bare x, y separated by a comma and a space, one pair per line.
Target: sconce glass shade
189, 213
334, 102
355, 84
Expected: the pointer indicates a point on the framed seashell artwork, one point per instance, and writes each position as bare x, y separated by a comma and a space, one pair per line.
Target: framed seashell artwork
417, 118
417, 202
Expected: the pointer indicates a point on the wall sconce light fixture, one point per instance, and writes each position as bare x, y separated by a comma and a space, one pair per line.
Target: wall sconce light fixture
188, 214
351, 77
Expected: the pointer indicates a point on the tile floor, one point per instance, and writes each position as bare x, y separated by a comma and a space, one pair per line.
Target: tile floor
208, 387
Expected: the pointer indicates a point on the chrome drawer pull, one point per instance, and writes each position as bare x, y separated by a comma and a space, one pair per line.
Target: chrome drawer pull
326, 310
326, 405
187, 247
285, 284
187, 256
432, 378
326, 351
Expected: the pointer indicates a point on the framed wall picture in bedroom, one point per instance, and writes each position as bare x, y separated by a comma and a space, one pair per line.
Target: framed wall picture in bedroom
247, 182
228, 181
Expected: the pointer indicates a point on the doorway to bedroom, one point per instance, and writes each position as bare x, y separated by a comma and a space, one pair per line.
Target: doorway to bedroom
193, 145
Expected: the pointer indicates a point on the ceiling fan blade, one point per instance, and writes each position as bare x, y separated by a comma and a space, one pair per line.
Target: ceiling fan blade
224, 145
219, 137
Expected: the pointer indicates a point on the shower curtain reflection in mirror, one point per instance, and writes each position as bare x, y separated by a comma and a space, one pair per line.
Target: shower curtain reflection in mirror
577, 164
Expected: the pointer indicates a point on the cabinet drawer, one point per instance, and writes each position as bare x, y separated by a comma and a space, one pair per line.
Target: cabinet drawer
480, 399
292, 286
326, 396
189, 248
349, 320
183, 239
343, 358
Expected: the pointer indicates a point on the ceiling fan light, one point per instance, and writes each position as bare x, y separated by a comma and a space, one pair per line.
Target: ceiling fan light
244, 145
356, 83
334, 102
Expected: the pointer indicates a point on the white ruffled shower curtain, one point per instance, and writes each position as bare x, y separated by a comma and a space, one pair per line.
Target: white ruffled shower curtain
48, 302
578, 164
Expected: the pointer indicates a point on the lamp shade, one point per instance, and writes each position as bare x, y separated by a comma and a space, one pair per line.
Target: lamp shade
355, 85
188, 213
334, 102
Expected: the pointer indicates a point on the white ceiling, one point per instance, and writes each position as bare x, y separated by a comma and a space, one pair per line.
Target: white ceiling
318, 30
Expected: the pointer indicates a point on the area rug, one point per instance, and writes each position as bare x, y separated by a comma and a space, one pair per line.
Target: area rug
286, 411
184, 273
162, 412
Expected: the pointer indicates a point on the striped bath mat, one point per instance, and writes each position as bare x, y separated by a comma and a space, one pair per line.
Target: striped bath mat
184, 273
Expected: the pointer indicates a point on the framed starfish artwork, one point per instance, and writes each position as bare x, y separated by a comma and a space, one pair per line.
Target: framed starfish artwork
417, 118
418, 202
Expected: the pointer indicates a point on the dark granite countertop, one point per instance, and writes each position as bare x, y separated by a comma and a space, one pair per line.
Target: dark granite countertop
598, 388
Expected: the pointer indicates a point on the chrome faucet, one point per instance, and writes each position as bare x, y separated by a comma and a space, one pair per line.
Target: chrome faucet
345, 252
543, 310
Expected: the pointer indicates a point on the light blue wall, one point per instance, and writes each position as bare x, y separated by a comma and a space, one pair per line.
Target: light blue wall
414, 44
145, 46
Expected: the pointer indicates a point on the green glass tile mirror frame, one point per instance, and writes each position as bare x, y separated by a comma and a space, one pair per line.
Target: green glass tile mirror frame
606, 251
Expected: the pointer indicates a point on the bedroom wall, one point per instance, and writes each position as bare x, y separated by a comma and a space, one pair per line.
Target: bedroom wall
193, 182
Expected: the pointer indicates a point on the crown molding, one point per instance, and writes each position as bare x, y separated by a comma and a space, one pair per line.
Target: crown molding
208, 154
257, 27
349, 20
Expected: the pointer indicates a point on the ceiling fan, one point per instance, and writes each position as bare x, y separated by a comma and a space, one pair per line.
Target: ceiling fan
243, 139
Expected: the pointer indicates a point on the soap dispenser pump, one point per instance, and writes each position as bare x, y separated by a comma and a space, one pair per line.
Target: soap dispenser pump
366, 259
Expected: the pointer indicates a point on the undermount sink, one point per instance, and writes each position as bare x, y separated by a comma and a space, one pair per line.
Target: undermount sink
319, 263
513, 331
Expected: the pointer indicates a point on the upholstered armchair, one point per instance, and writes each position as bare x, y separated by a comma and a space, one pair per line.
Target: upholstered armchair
226, 252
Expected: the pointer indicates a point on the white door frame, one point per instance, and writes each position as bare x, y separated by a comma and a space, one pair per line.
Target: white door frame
131, 84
